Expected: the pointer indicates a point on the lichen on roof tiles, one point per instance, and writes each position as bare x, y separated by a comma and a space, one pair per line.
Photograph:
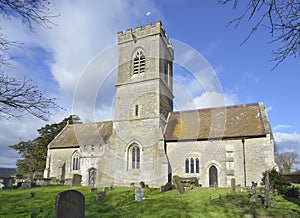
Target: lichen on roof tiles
221, 122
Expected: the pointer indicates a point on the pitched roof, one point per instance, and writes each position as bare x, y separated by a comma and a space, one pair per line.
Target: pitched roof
83, 134
7, 172
249, 120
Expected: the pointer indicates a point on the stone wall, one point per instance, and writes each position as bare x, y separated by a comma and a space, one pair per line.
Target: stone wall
226, 156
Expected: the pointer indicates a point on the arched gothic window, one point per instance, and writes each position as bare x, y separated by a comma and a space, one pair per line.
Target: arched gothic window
134, 157
192, 165
197, 165
139, 62
187, 166
75, 161
92, 176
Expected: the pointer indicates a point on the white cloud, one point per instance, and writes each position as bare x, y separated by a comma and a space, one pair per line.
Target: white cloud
281, 127
287, 142
270, 108
82, 30
210, 99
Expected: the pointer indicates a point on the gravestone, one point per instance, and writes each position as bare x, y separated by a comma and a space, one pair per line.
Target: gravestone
233, 185
76, 181
178, 184
105, 189
101, 195
139, 194
142, 184
267, 190
70, 204
1, 186
26, 185
93, 189
253, 192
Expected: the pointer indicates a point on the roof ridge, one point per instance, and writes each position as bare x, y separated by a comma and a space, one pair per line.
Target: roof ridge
218, 107
97, 122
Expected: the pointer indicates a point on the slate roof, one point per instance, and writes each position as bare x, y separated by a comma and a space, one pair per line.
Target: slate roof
7, 172
238, 121
83, 134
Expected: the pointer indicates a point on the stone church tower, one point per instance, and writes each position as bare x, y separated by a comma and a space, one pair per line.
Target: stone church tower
144, 98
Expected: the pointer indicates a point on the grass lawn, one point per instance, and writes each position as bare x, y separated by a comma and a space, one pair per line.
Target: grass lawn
199, 202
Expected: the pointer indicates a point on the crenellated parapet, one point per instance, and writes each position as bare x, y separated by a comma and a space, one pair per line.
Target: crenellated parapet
139, 32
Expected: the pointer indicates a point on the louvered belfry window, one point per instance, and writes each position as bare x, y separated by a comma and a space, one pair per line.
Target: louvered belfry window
139, 62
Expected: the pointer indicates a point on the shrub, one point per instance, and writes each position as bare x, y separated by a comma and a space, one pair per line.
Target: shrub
292, 192
277, 181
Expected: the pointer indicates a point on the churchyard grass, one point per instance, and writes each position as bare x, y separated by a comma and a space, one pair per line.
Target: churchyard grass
199, 202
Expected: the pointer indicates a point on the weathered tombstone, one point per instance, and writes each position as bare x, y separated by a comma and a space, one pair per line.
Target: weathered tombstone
1, 186
101, 195
233, 185
162, 188
105, 189
93, 189
26, 185
142, 184
76, 180
139, 194
253, 192
267, 190
178, 184
215, 185
70, 204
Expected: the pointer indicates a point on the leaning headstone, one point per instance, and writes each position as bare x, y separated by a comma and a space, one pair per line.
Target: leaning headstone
139, 194
233, 185
178, 184
70, 204
76, 180
267, 190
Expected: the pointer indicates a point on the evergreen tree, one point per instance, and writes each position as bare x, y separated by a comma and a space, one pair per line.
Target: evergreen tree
34, 152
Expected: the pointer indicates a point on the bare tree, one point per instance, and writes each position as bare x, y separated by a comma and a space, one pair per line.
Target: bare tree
286, 161
19, 96
281, 17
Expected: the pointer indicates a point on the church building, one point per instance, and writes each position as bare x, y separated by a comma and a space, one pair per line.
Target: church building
148, 141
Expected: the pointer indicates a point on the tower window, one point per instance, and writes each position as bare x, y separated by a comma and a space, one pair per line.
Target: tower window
136, 111
139, 62
134, 157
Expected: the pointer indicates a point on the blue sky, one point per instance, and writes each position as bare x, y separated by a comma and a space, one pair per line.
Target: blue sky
57, 60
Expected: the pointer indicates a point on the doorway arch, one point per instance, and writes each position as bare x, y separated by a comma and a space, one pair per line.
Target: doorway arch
213, 176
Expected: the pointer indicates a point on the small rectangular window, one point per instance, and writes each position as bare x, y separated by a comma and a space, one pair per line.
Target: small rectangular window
136, 110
